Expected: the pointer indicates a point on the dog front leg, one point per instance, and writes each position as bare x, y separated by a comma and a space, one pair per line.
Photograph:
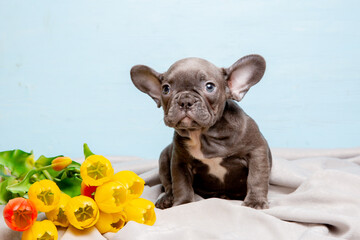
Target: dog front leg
182, 180
167, 199
258, 179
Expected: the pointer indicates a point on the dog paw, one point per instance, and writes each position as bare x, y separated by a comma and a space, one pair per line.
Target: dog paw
166, 201
256, 203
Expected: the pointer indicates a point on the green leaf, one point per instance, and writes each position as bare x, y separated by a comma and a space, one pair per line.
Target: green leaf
18, 161
87, 151
74, 165
22, 187
70, 186
3, 172
68, 179
63, 176
69, 182
23, 174
6, 195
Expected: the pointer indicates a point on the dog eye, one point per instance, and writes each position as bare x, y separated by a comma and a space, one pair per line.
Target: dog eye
210, 87
166, 89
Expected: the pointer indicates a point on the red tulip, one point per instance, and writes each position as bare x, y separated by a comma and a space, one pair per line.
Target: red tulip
20, 214
88, 191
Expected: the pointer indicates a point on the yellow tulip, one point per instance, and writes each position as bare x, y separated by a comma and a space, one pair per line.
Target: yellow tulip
132, 182
57, 216
110, 222
111, 197
45, 194
96, 170
82, 212
44, 230
140, 210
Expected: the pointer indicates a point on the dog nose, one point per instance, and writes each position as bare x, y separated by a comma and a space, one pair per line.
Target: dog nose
186, 101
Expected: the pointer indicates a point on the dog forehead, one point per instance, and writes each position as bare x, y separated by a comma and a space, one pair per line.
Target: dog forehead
192, 67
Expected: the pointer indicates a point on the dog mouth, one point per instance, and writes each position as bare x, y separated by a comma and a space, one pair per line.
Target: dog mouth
187, 123
188, 112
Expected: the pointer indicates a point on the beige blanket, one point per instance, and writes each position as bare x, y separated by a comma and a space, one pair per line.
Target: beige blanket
314, 194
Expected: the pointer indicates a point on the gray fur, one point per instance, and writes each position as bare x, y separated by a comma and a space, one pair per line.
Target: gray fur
217, 149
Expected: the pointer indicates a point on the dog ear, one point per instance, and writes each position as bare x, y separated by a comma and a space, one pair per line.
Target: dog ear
243, 74
148, 81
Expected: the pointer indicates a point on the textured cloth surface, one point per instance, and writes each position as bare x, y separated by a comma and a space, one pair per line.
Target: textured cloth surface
314, 194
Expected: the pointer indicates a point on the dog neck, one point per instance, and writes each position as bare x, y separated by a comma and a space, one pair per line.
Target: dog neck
193, 146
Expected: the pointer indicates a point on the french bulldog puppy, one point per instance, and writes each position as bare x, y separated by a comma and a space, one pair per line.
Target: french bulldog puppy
217, 149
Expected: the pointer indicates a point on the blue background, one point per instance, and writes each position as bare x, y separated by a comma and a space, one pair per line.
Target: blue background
64, 70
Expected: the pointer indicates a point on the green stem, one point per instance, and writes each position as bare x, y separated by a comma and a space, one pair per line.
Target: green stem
48, 166
44, 168
47, 175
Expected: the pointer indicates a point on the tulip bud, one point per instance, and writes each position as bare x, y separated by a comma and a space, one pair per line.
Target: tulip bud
82, 212
96, 170
20, 214
41, 230
58, 214
110, 222
60, 163
45, 194
88, 191
140, 210
131, 181
111, 197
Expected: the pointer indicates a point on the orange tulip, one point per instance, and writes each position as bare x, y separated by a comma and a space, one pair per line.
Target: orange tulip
60, 163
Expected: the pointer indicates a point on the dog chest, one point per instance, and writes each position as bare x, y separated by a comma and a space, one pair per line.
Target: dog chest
214, 164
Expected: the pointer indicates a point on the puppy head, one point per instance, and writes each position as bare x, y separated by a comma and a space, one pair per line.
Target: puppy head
193, 91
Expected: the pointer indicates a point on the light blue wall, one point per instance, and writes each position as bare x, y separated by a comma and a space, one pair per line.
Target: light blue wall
64, 70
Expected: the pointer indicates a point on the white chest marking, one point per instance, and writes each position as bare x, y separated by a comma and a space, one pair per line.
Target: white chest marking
194, 148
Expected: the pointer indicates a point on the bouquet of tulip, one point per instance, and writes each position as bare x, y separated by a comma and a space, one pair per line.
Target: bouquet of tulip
101, 199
